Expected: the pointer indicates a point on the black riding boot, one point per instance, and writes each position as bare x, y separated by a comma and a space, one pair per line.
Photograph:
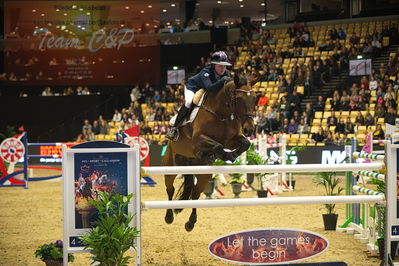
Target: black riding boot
173, 133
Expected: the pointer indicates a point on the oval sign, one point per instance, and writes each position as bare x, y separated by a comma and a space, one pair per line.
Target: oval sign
268, 246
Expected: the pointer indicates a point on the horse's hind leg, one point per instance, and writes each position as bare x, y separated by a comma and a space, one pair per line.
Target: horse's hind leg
169, 179
202, 181
170, 189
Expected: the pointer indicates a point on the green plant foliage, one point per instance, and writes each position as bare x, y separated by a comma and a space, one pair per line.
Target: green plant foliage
380, 187
52, 251
237, 178
113, 235
330, 182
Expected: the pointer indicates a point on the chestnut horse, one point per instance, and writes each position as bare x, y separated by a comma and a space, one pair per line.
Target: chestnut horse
222, 122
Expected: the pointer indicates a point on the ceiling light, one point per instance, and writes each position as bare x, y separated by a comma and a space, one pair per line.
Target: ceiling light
241, 5
164, 10
65, 14
127, 7
172, 5
147, 24
142, 11
42, 14
262, 4
33, 10
80, 9
57, 10
239, 0
219, 2
210, 22
74, 6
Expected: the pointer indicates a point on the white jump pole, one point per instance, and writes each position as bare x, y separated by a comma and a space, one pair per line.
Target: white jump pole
182, 204
256, 169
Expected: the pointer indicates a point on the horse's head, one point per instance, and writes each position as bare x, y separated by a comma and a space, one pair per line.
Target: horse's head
244, 99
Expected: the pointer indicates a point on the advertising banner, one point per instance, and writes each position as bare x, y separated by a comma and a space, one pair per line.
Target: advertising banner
81, 42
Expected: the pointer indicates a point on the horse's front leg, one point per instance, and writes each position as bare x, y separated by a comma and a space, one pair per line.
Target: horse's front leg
240, 144
202, 181
207, 147
170, 189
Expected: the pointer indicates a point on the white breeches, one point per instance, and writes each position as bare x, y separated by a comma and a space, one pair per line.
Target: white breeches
188, 97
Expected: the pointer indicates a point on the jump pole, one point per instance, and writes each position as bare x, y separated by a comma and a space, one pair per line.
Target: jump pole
181, 204
226, 169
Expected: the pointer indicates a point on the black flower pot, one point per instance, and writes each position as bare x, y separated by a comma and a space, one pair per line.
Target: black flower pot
291, 184
330, 221
210, 187
381, 248
237, 188
262, 193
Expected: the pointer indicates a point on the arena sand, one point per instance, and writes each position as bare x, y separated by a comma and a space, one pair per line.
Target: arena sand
32, 217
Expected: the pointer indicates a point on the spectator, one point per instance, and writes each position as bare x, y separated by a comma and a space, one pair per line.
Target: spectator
283, 108
379, 132
332, 120
319, 107
379, 110
390, 116
117, 116
284, 126
303, 128
292, 127
354, 39
369, 120
318, 136
47, 92
262, 123
359, 119
329, 139
95, 128
271, 116
86, 126
263, 100
373, 83
340, 128
104, 127
335, 104
349, 127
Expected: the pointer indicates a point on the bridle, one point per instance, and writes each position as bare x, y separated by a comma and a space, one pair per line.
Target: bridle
232, 104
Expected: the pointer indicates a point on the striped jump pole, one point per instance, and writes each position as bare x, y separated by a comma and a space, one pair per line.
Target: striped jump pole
380, 141
366, 190
371, 156
182, 204
370, 174
256, 169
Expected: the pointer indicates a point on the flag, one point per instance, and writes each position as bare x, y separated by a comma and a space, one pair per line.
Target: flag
133, 131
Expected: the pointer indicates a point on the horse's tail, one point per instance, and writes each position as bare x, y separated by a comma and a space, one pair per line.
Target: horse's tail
185, 190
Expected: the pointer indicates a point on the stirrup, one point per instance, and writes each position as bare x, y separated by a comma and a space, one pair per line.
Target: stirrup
173, 134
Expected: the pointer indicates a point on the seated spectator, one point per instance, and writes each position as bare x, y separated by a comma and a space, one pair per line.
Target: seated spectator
262, 123
354, 39
390, 116
344, 103
271, 116
262, 101
369, 120
340, 127
104, 127
303, 128
310, 112
373, 84
292, 127
335, 104
96, 128
145, 129
329, 140
117, 116
319, 107
283, 108
379, 110
360, 119
47, 92
86, 126
349, 127
295, 101
318, 136
379, 132
284, 126
332, 120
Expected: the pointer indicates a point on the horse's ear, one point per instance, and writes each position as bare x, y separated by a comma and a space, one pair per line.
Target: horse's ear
236, 80
253, 78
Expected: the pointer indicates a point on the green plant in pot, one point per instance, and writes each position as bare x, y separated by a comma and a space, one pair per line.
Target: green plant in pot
52, 254
113, 235
236, 181
212, 185
254, 158
380, 187
330, 182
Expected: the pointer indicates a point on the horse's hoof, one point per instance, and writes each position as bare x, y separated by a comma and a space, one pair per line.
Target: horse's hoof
177, 211
189, 226
169, 217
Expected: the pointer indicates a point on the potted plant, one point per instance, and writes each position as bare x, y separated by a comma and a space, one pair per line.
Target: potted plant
236, 181
112, 236
52, 253
254, 158
211, 186
330, 183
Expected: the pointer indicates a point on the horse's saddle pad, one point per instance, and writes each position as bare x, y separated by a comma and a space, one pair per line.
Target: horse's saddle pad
197, 101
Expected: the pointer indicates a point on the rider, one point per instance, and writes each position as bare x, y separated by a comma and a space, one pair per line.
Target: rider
211, 78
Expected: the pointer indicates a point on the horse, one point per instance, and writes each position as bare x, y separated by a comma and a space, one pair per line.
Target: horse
223, 121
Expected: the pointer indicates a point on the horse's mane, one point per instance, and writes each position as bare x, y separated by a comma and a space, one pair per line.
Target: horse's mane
241, 82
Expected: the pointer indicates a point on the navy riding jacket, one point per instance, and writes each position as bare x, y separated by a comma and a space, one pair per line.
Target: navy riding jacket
206, 79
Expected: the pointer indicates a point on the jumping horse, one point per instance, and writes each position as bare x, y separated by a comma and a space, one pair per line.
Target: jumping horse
223, 121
